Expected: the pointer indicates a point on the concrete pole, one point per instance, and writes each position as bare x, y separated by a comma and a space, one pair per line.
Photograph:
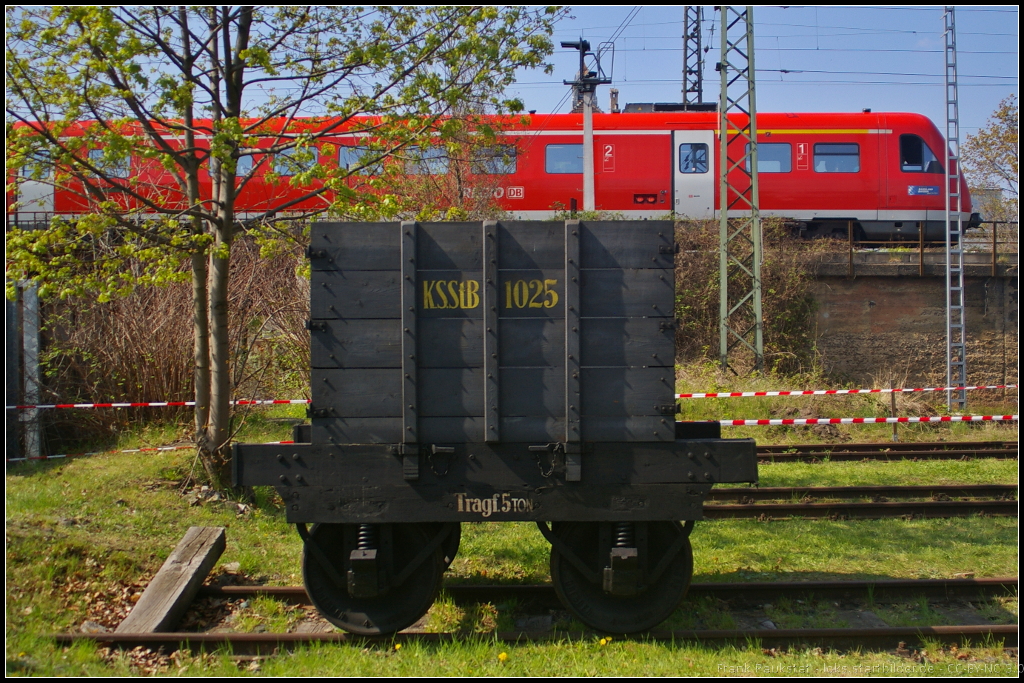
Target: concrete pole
589, 203
30, 356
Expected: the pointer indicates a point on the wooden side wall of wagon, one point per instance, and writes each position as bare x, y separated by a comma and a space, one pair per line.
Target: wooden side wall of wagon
498, 371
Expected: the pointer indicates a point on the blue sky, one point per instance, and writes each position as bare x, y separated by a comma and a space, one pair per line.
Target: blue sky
839, 59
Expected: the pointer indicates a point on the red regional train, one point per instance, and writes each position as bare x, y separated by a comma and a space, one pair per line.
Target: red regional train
884, 172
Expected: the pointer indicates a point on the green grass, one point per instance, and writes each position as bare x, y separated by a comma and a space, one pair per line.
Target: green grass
895, 473
915, 613
734, 550
86, 534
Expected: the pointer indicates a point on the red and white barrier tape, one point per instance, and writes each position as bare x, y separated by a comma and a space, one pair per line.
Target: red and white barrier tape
833, 392
160, 404
127, 450
868, 420
306, 401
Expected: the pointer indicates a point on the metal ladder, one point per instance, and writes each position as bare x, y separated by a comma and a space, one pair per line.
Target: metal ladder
956, 322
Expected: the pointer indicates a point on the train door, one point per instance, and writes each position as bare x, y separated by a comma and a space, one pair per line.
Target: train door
694, 176
35, 192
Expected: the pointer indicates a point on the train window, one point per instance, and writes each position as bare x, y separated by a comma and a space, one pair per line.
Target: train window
111, 168
693, 157
38, 166
772, 157
563, 159
357, 160
426, 161
244, 166
294, 161
497, 160
833, 157
917, 157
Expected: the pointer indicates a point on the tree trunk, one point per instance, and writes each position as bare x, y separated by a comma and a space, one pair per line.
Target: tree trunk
219, 426
201, 337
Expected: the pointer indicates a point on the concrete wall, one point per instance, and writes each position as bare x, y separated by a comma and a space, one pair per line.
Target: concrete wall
877, 328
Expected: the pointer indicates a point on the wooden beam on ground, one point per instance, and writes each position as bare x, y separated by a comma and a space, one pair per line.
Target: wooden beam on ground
172, 589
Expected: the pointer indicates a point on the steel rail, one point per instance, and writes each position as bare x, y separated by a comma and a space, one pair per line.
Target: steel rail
881, 451
743, 593
743, 493
903, 446
746, 591
873, 510
261, 643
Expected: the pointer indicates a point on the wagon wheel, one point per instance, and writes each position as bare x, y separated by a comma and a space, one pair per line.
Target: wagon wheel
666, 567
405, 577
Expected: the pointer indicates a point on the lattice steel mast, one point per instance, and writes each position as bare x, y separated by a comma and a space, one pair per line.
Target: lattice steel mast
956, 323
740, 322
693, 56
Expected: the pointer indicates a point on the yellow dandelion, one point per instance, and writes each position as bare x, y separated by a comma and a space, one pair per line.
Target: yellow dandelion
398, 646
603, 641
503, 657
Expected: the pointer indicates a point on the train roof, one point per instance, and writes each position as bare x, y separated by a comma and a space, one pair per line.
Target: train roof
695, 119
653, 121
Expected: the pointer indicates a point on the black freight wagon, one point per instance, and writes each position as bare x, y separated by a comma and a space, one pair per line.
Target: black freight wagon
496, 371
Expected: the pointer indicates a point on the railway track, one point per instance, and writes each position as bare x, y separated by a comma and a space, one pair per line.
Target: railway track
939, 450
741, 593
750, 494
735, 595
998, 500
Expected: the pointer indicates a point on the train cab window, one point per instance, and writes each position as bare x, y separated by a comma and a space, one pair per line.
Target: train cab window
563, 159
111, 168
693, 157
294, 161
497, 160
772, 157
917, 157
426, 161
833, 157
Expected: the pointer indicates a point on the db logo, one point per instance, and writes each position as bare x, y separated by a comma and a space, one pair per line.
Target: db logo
515, 192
